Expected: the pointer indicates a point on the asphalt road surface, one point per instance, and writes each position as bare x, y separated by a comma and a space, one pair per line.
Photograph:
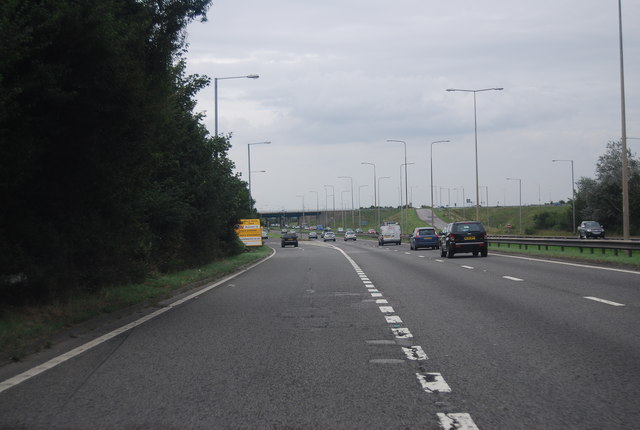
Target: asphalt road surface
357, 336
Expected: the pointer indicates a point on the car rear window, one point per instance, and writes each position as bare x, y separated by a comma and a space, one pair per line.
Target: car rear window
426, 232
468, 226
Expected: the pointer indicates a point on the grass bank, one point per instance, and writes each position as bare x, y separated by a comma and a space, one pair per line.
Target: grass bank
26, 329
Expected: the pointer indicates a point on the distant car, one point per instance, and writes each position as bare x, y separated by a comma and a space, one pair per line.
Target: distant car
463, 236
424, 237
265, 233
372, 231
313, 235
289, 239
588, 229
329, 235
340, 229
350, 236
283, 230
358, 230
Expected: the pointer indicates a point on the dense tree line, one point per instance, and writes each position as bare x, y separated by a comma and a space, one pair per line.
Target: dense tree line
600, 198
106, 172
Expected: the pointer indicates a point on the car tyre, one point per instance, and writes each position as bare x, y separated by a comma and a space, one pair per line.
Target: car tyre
484, 252
474, 253
450, 252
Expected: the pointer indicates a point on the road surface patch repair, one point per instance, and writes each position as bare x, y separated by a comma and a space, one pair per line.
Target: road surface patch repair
430, 382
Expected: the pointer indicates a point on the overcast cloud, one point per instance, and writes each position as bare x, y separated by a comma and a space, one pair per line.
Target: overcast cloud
339, 78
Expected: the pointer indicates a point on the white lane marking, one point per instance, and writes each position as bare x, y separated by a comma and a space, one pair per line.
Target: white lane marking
387, 309
456, 421
421, 256
415, 353
376, 294
633, 272
367, 282
407, 253
393, 319
511, 278
439, 261
373, 290
467, 267
18, 379
608, 302
381, 301
433, 383
401, 333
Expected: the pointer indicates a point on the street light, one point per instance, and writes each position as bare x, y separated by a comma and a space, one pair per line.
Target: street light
317, 205
625, 160
431, 161
360, 187
379, 179
342, 204
520, 186
407, 201
353, 221
475, 128
375, 198
249, 167
333, 194
406, 183
215, 86
573, 190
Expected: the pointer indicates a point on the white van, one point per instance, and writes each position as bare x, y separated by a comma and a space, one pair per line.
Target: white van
389, 233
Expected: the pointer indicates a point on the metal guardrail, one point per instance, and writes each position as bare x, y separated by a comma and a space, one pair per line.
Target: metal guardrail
629, 246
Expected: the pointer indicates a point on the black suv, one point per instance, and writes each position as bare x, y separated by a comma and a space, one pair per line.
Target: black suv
464, 236
290, 239
588, 229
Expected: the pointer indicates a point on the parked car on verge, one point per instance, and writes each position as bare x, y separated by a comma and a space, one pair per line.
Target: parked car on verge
350, 236
265, 233
358, 230
313, 235
329, 235
588, 229
424, 237
389, 233
290, 239
464, 236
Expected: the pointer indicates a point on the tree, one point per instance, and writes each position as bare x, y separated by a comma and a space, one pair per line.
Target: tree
600, 199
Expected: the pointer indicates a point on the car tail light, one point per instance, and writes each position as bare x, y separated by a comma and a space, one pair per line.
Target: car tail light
452, 236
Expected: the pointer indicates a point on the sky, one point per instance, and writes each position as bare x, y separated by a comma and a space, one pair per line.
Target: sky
338, 78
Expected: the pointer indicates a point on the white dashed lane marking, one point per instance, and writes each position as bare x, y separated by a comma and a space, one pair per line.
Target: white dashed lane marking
511, 278
467, 267
431, 382
607, 302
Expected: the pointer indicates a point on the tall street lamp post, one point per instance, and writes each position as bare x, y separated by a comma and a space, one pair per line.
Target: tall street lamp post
249, 167
573, 193
520, 187
360, 187
405, 165
353, 221
379, 202
317, 205
375, 194
406, 187
625, 159
475, 128
333, 194
431, 162
215, 86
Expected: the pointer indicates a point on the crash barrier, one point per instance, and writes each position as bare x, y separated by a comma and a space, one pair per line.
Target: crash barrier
628, 246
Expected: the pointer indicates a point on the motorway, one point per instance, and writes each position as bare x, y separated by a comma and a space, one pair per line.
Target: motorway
357, 336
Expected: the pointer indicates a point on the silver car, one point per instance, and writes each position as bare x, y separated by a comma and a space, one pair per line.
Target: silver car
329, 235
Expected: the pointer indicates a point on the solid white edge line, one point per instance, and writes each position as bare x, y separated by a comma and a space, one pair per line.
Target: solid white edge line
612, 269
608, 302
20, 378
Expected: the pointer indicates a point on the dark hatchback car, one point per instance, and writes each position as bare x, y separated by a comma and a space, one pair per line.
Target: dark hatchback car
289, 239
588, 229
424, 237
464, 236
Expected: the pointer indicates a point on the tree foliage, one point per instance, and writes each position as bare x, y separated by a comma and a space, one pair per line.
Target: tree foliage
600, 198
106, 172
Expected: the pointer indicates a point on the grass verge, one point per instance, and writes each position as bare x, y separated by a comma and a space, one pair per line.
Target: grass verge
24, 330
572, 254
